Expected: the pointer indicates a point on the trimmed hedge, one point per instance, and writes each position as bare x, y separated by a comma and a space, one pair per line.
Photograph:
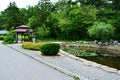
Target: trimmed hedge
32, 46
50, 49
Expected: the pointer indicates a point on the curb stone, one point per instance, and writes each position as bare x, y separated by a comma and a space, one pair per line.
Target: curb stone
118, 72
51, 65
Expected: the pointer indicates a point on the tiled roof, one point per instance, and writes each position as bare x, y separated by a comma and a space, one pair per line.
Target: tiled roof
23, 28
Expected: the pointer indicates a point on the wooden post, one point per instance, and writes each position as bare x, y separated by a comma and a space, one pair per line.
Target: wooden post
17, 37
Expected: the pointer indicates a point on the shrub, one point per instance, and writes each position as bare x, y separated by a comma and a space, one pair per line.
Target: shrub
2, 37
27, 45
50, 49
32, 46
8, 39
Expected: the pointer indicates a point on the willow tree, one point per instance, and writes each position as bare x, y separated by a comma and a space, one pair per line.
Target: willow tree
101, 31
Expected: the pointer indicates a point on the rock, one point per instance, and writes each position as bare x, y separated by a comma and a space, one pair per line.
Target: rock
119, 44
100, 43
85, 42
109, 69
106, 43
118, 72
95, 42
115, 42
95, 64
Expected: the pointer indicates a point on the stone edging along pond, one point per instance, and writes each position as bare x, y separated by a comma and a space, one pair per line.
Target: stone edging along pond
109, 49
90, 63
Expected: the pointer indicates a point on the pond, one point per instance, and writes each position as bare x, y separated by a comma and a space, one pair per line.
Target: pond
101, 58
113, 62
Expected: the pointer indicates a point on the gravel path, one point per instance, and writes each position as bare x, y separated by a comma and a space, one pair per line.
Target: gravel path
72, 65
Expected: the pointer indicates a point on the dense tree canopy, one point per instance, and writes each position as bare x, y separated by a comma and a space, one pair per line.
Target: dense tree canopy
66, 19
12, 16
101, 30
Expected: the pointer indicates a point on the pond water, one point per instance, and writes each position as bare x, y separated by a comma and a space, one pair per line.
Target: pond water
101, 58
113, 62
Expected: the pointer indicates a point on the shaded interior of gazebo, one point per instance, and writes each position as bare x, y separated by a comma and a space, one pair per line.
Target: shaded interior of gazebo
22, 31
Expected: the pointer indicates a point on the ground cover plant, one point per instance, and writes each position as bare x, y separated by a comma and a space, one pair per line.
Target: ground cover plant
77, 52
32, 46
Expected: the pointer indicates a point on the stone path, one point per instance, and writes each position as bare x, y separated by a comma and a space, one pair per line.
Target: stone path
72, 65
16, 66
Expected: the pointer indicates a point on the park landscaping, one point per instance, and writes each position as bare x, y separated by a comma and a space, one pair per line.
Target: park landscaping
97, 22
50, 49
46, 48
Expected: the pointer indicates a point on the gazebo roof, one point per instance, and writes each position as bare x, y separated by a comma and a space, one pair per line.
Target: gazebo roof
23, 28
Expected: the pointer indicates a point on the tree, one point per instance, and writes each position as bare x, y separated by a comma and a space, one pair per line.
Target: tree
33, 22
42, 32
29, 12
96, 3
101, 31
74, 23
45, 7
2, 21
12, 15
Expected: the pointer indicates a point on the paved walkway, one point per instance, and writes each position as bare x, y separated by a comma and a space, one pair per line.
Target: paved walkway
16, 66
72, 65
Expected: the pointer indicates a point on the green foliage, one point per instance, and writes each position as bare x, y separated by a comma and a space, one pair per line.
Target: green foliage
101, 30
45, 7
9, 38
74, 21
50, 49
32, 46
2, 37
33, 22
63, 19
96, 3
77, 52
42, 32
12, 16
76, 78
26, 38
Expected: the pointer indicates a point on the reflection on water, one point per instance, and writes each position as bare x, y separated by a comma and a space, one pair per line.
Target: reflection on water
113, 62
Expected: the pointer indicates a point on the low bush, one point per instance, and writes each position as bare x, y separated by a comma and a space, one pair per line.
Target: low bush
2, 37
8, 39
50, 49
32, 46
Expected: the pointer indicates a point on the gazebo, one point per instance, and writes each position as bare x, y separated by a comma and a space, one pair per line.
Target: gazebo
23, 30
